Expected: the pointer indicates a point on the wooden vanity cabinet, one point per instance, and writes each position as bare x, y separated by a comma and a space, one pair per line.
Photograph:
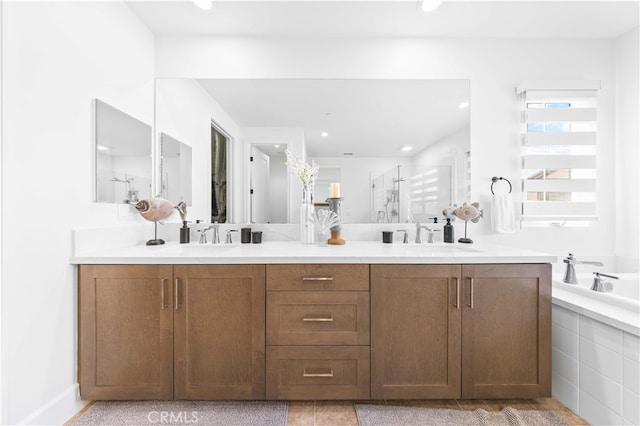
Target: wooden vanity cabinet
125, 332
171, 332
451, 331
318, 331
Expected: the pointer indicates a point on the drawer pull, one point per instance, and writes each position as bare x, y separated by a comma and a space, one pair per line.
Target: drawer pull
317, 278
457, 304
318, 319
177, 297
470, 304
317, 373
164, 293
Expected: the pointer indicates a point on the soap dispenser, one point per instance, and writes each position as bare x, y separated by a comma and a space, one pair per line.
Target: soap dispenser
185, 233
448, 232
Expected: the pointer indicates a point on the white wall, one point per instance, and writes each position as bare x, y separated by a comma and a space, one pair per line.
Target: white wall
627, 180
494, 67
184, 111
56, 58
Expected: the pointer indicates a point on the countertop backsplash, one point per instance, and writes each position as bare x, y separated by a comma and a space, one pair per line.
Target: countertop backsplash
138, 233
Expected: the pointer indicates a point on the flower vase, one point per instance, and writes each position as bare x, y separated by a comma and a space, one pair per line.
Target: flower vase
307, 228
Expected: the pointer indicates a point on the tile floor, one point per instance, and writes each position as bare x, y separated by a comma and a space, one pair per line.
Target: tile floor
342, 413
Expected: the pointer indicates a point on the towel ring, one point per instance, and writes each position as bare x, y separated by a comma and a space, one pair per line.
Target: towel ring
495, 179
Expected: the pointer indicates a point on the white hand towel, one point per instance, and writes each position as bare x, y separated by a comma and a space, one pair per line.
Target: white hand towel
503, 218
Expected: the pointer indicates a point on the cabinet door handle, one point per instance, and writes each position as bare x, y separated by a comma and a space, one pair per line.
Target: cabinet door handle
457, 304
317, 373
177, 288
470, 304
317, 278
318, 319
164, 293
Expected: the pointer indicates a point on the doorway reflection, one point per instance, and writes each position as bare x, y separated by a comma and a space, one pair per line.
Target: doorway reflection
219, 143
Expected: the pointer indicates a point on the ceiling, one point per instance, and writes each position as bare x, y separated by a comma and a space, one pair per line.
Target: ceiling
396, 18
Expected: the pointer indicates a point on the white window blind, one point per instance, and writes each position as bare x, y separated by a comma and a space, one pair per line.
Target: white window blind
559, 135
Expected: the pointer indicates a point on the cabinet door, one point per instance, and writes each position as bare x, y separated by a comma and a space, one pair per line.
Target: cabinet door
506, 331
415, 331
219, 330
125, 327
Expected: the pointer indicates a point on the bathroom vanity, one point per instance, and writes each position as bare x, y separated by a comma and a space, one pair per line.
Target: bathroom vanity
286, 321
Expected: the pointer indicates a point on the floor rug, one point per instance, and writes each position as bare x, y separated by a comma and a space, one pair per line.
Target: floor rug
195, 413
385, 415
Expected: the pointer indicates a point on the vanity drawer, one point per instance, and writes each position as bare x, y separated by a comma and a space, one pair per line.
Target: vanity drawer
317, 372
318, 318
317, 277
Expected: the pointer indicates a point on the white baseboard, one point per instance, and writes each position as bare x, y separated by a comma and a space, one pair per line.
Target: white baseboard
58, 410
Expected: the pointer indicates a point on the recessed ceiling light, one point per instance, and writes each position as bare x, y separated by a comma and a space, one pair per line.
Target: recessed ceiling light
406, 148
203, 4
463, 105
324, 134
430, 5
103, 148
276, 146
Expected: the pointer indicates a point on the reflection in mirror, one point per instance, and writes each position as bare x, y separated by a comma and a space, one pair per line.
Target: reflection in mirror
268, 183
422, 196
175, 167
360, 129
326, 176
219, 144
122, 156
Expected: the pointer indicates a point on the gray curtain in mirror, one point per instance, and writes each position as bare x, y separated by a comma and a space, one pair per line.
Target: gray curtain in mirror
218, 176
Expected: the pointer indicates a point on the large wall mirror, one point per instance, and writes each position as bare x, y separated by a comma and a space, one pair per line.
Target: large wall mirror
122, 156
399, 148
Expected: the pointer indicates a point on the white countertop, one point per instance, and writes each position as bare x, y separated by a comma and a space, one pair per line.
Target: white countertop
295, 252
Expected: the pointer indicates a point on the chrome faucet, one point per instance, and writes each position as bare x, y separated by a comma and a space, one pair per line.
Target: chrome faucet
599, 284
215, 238
419, 229
430, 231
570, 272
203, 236
228, 239
405, 238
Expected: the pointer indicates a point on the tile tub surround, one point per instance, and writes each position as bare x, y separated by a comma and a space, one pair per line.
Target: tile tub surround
596, 368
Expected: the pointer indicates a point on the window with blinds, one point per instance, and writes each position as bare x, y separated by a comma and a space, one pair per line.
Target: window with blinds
559, 137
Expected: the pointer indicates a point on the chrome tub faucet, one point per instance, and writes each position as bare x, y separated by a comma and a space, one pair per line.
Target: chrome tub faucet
600, 285
570, 273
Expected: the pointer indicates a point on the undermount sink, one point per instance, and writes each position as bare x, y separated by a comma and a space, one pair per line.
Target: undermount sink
193, 248
440, 248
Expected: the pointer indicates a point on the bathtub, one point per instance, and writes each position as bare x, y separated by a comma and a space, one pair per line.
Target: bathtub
596, 349
619, 308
